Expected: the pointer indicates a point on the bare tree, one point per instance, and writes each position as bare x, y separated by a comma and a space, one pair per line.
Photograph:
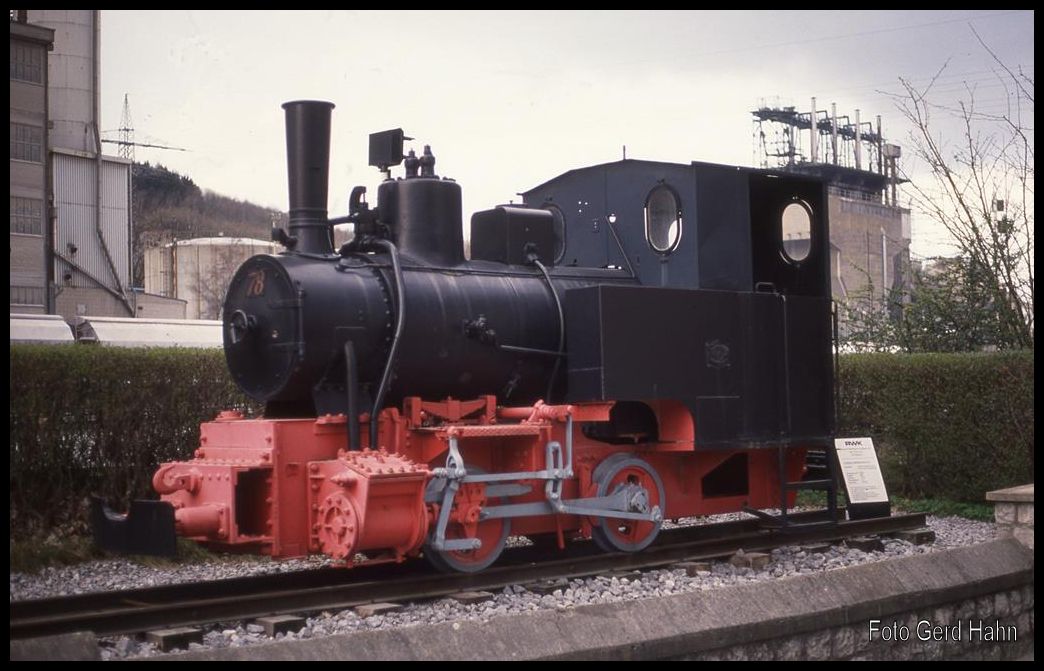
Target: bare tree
981, 189
866, 317
214, 278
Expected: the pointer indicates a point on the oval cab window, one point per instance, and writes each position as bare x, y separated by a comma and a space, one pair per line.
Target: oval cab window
797, 231
663, 219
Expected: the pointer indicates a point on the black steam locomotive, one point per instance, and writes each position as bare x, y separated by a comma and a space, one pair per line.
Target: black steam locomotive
635, 341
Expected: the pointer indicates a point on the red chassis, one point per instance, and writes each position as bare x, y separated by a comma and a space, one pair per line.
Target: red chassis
454, 478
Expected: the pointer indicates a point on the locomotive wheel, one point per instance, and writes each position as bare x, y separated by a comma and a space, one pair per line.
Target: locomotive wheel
464, 523
616, 472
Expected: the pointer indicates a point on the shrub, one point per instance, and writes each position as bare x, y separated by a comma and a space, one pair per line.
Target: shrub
88, 419
99, 420
949, 426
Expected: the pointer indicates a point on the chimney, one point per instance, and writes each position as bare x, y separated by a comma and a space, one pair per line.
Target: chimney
308, 169
814, 144
858, 143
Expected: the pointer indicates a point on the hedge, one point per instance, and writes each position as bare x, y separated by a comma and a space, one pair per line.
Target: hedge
90, 419
949, 426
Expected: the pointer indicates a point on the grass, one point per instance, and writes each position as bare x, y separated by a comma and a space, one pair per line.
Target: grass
982, 512
939, 507
188, 552
33, 554
816, 499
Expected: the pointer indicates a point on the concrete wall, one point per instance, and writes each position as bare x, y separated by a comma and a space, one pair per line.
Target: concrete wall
857, 228
72, 302
149, 306
910, 635
71, 70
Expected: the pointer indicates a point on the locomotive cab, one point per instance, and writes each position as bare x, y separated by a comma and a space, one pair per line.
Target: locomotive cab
732, 315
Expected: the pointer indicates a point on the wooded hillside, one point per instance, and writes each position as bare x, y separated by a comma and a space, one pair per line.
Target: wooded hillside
170, 206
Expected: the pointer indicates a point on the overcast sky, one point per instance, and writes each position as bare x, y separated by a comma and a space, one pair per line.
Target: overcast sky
510, 99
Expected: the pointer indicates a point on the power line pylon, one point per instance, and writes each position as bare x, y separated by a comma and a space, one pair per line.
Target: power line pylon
126, 131
126, 135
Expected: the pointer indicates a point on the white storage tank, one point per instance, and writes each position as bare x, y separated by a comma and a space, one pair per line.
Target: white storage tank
198, 271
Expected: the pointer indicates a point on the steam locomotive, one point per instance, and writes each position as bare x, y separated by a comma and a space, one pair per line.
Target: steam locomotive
636, 341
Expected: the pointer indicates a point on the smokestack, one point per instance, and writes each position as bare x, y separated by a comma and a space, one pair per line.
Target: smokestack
880, 148
858, 144
308, 169
833, 130
814, 144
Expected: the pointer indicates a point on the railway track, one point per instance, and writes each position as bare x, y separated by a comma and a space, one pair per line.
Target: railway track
132, 611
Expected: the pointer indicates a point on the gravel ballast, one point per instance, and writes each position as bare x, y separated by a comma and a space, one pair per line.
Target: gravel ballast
106, 575
785, 561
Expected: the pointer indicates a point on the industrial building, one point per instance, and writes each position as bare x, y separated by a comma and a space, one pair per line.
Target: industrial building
29, 166
869, 231
70, 204
198, 271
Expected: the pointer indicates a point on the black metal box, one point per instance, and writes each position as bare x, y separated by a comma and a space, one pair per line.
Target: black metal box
506, 233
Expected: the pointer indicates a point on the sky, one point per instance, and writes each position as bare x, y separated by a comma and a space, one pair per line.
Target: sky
508, 100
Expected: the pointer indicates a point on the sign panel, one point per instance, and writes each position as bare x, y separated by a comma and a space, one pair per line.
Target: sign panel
861, 470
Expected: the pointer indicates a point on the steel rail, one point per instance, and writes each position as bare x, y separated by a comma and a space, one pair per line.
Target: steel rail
133, 611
